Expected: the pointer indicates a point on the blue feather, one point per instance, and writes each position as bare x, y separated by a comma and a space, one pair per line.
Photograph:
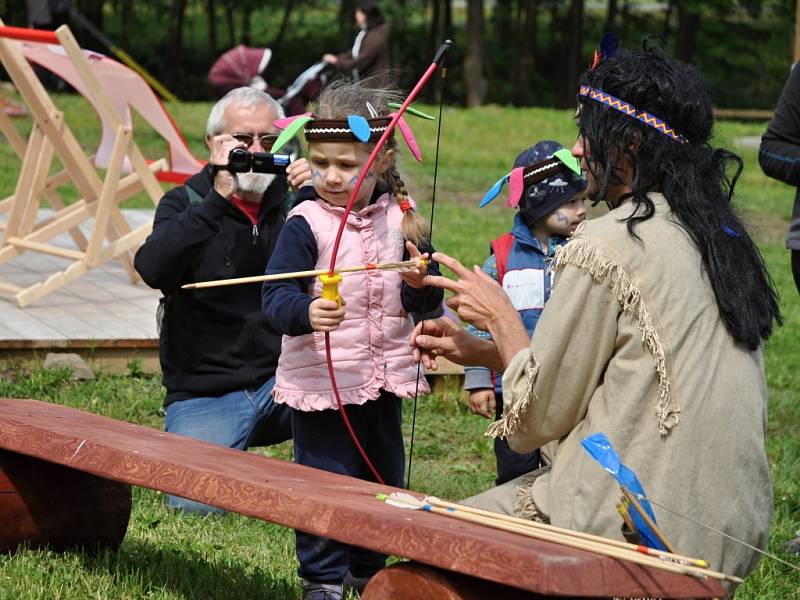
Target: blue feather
494, 191
359, 127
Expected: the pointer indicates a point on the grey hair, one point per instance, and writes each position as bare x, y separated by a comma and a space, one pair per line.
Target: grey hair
241, 96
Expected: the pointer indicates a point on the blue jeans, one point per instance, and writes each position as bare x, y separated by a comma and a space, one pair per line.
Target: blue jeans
321, 441
238, 420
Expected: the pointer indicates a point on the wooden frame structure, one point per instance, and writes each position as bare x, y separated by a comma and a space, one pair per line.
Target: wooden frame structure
110, 236
73, 443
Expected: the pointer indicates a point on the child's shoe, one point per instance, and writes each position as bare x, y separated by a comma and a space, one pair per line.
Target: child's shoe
321, 591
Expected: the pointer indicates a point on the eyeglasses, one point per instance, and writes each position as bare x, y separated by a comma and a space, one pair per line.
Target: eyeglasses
265, 139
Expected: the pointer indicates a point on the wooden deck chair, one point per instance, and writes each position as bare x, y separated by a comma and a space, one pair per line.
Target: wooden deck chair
100, 200
125, 88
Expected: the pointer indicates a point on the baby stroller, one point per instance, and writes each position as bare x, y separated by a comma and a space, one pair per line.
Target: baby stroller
244, 65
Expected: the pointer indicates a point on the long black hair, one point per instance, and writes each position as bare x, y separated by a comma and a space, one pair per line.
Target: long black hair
692, 176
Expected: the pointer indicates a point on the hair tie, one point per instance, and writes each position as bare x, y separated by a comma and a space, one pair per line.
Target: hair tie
405, 205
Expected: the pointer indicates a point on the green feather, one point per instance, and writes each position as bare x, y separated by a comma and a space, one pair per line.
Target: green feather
411, 110
565, 156
290, 131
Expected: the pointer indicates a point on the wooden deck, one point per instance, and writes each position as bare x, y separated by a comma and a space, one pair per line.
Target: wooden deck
99, 310
101, 315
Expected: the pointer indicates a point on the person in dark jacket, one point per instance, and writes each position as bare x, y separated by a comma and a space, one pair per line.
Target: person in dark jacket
779, 157
369, 56
218, 354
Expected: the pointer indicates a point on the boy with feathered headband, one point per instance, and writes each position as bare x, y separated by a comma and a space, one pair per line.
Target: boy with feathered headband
546, 186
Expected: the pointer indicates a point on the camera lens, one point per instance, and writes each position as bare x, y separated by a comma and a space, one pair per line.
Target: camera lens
239, 161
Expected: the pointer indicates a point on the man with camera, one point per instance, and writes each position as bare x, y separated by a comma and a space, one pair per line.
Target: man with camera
218, 355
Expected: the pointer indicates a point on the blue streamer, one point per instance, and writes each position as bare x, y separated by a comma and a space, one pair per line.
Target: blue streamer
599, 448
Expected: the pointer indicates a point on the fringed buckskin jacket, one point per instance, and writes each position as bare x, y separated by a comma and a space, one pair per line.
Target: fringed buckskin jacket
632, 345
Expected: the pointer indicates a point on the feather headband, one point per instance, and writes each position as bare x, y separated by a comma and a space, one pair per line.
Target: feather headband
354, 128
522, 177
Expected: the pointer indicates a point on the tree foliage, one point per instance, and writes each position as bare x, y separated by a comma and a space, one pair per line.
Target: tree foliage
508, 51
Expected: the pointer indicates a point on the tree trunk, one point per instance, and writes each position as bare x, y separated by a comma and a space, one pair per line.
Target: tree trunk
434, 39
126, 16
527, 60
247, 12
448, 19
611, 15
175, 44
287, 12
211, 16
347, 26
231, 23
688, 25
796, 45
574, 65
93, 10
473, 61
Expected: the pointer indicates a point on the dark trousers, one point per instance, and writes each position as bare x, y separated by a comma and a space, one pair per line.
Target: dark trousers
510, 464
796, 268
322, 441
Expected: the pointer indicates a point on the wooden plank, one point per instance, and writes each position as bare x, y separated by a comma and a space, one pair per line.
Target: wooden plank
323, 504
45, 248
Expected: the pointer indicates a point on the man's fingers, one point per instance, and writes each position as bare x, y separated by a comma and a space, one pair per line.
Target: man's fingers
440, 281
451, 263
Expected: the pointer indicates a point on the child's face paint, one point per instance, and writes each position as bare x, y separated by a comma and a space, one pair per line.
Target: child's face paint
335, 167
565, 219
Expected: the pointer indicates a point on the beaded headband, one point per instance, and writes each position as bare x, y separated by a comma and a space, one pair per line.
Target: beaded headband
630, 110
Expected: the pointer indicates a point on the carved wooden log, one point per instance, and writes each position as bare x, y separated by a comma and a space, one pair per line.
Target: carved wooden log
45, 504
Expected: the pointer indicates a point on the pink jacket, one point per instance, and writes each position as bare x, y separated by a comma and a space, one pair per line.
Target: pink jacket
370, 348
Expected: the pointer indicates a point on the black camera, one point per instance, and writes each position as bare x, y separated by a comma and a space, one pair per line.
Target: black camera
242, 161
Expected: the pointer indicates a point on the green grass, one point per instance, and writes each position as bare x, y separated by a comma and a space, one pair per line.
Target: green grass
166, 556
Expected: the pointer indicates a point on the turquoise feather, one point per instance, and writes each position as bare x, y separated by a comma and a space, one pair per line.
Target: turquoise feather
494, 191
359, 127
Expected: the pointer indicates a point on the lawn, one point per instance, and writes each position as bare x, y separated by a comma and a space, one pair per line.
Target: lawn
166, 556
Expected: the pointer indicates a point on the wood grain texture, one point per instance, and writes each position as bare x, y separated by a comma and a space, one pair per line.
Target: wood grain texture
323, 504
414, 581
46, 504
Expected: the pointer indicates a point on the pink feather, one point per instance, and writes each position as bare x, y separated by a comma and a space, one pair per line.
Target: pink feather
515, 188
286, 121
411, 142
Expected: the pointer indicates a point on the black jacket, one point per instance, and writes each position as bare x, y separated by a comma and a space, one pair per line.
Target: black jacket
215, 340
779, 154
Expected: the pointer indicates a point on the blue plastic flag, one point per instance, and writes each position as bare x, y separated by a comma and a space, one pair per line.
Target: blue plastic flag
599, 448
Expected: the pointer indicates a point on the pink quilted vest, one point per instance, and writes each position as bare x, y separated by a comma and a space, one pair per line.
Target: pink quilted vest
370, 348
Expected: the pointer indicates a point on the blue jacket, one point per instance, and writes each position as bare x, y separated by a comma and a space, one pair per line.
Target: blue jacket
527, 280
